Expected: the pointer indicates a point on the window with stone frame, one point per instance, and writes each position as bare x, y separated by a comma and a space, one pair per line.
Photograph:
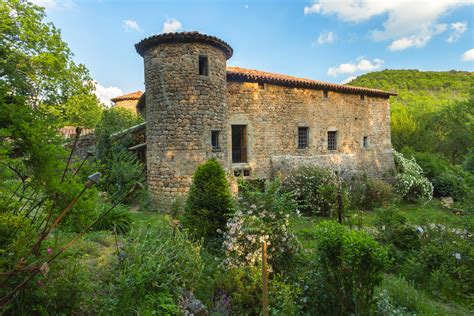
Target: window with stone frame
203, 65
215, 140
303, 137
332, 140
239, 143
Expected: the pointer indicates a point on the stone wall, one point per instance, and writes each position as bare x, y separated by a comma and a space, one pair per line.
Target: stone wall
274, 113
182, 107
130, 105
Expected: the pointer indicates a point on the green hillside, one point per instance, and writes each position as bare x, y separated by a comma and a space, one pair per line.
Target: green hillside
430, 108
420, 89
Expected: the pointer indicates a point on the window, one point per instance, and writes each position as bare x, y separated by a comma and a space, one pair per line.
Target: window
215, 139
246, 172
302, 137
203, 66
261, 85
325, 94
365, 142
239, 143
332, 140
362, 97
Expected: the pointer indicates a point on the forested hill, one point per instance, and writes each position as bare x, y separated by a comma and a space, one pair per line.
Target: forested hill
428, 89
433, 112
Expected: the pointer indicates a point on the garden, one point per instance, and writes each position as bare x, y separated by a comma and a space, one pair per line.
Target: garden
82, 234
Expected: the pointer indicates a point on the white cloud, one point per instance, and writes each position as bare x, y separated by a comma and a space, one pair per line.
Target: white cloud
314, 8
458, 29
361, 65
130, 25
468, 55
413, 22
106, 93
171, 25
348, 79
326, 38
54, 4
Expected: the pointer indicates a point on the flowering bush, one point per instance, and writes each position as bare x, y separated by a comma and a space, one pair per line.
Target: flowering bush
409, 181
314, 189
261, 216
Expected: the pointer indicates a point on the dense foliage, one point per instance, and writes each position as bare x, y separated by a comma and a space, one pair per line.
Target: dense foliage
433, 112
209, 204
349, 265
315, 189
37, 65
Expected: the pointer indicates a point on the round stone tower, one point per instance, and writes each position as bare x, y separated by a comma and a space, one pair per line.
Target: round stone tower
185, 82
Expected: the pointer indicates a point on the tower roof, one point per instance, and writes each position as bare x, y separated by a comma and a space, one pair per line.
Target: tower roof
183, 37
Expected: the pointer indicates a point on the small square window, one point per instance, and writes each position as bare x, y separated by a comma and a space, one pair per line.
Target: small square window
203, 66
261, 85
303, 137
365, 142
332, 140
246, 172
362, 97
325, 94
215, 139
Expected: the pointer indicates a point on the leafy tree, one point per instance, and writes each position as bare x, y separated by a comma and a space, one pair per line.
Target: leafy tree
37, 64
209, 203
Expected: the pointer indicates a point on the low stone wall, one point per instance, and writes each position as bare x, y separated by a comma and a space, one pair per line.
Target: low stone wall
344, 164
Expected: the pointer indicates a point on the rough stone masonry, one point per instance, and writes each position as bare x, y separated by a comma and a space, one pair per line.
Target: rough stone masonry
257, 124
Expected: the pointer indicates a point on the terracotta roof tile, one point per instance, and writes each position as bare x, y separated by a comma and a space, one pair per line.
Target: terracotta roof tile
183, 37
130, 96
251, 75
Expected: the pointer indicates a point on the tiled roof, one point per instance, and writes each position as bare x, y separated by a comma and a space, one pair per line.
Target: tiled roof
130, 96
251, 75
183, 37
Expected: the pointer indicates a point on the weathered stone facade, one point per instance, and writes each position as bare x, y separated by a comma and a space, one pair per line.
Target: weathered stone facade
184, 107
128, 101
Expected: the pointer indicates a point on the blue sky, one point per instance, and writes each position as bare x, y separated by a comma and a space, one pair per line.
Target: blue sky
325, 39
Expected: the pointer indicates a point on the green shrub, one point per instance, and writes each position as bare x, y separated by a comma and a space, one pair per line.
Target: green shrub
315, 189
397, 296
444, 264
447, 180
209, 202
468, 164
118, 220
283, 297
156, 264
449, 184
368, 194
410, 182
348, 266
122, 172
395, 232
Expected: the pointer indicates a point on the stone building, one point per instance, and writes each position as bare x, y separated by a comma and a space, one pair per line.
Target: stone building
128, 101
257, 124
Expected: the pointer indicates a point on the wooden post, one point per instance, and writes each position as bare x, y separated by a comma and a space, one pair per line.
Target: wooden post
264, 279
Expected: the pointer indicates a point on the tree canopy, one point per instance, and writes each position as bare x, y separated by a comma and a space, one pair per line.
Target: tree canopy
433, 112
38, 65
